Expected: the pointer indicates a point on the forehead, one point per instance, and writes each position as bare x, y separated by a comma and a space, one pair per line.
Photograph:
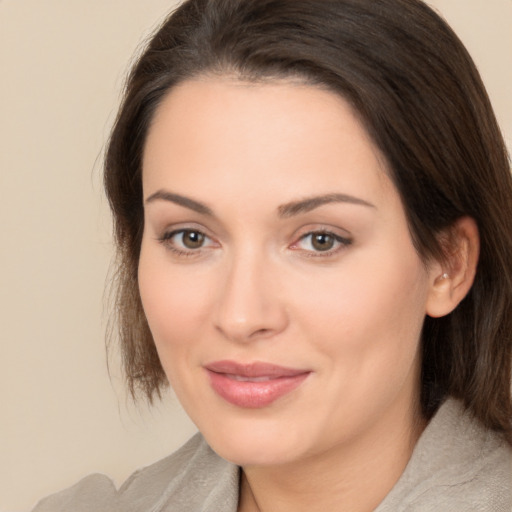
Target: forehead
265, 138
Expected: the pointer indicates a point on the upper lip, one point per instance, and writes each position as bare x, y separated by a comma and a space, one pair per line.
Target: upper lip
254, 369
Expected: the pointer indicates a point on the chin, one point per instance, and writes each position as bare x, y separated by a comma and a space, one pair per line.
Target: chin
254, 454
256, 443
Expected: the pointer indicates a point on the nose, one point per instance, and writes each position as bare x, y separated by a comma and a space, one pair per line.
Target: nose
250, 304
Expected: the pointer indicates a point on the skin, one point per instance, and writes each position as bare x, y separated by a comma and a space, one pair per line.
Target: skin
257, 289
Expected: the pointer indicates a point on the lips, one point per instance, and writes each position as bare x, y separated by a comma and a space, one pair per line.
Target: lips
253, 385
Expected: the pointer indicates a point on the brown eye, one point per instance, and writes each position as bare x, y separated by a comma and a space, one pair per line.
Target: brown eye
187, 242
322, 241
192, 239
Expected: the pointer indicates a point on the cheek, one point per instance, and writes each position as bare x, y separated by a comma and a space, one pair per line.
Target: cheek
370, 312
174, 305
366, 327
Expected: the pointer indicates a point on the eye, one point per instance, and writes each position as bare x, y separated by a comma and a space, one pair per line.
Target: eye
186, 241
321, 242
191, 239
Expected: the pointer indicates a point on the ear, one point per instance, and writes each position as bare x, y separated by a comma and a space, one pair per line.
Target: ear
452, 278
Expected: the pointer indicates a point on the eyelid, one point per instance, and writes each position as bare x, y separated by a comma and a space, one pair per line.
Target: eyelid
168, 234
342, 241
167, 230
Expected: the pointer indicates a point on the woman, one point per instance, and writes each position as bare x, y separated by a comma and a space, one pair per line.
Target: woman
312, 204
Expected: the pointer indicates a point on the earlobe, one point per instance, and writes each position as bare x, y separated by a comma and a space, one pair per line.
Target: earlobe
452, 278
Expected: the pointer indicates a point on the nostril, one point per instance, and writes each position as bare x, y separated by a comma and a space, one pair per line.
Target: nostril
260, 332
246, 310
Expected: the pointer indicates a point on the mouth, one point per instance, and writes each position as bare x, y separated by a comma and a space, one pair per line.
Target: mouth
253, 385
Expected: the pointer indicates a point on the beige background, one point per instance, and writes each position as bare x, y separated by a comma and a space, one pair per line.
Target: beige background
62, 64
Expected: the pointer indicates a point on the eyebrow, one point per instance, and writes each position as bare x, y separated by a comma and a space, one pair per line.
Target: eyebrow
284, 211
310, 203
180, 200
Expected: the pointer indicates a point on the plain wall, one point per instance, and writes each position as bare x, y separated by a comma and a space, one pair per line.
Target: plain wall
62, 64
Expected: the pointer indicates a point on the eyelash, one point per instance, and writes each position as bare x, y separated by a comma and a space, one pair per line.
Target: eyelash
166, 240
342, 242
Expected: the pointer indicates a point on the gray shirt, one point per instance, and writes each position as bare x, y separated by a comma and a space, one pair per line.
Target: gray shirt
457, 465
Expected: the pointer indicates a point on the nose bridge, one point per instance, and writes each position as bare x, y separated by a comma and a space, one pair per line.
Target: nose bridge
249, 305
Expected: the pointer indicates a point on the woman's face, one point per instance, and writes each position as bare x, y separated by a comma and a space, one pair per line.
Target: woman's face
277, 271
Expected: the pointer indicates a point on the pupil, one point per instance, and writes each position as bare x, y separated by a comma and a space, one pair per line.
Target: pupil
193, 239
323, 242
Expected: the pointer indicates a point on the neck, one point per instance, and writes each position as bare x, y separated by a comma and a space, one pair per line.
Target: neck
354, 476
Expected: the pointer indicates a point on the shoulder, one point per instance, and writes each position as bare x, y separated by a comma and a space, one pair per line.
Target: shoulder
456, 465
96, 491
192, 479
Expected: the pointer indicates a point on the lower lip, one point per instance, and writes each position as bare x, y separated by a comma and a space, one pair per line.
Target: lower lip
254, 394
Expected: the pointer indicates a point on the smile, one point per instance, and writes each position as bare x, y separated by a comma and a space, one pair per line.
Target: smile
253, 385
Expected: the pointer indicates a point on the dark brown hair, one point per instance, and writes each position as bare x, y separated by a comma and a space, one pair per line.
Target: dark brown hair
422, 101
